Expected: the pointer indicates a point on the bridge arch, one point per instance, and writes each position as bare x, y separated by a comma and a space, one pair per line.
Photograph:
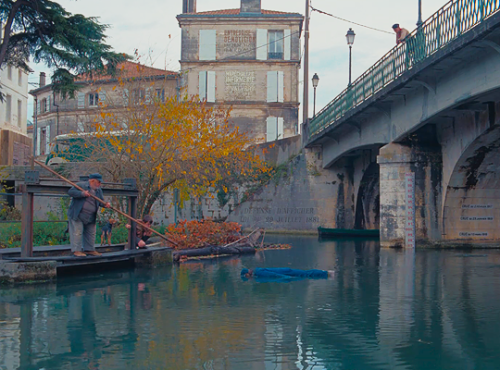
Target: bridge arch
471, 207
367, 214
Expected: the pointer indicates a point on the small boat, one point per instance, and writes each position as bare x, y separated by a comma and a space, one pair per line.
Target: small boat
358, 233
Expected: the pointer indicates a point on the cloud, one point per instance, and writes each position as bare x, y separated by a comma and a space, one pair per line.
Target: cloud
145, 26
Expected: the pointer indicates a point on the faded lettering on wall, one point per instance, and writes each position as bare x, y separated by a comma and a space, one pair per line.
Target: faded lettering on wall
240, 85
280, 215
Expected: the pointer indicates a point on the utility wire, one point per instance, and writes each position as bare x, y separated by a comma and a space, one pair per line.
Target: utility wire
348, 21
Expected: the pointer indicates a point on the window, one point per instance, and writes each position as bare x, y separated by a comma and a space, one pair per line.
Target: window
275, 86
93, 99
43, 106
274, 128
19, 112
275, 45
20, 77
80, 127
207, 45
206, 86
160, 95
9, 72
8, 108
138, 96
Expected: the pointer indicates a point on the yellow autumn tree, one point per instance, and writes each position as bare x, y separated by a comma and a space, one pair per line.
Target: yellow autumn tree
166, 142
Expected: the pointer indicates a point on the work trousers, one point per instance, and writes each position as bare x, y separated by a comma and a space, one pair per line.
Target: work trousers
82, 235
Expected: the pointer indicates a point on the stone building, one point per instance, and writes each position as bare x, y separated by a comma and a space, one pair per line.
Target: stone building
15, 145
56, 116
247, 59
14, 108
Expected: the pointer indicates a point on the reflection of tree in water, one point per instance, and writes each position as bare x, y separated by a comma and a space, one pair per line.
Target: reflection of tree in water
378, 312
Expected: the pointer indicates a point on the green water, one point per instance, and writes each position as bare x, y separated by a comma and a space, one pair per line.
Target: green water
385, 309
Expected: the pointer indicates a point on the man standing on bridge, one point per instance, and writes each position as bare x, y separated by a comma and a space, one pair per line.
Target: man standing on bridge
401, 33
82, 214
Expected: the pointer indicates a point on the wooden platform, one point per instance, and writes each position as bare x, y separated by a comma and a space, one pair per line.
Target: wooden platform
64, 258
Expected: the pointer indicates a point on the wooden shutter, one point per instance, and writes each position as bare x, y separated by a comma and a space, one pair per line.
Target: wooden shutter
207, 45
261, 44
102, 96
38, 102
281, 86
47, 139
287, 44
280, 128
271, 128
202, 85
81, 100
47, 109
272, 87
125, 95
211, 87
38, 139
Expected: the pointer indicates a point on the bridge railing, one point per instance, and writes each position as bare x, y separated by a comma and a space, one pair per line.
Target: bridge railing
447, 24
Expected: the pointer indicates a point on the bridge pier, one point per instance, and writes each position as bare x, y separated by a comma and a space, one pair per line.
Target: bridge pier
395, 160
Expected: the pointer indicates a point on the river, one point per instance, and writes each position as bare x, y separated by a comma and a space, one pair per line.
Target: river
384, 309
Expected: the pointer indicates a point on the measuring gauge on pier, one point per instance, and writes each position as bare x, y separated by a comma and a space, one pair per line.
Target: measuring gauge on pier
410, 210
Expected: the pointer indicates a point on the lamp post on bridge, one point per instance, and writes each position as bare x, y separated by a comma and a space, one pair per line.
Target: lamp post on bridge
350, 41
419, 20
315, 81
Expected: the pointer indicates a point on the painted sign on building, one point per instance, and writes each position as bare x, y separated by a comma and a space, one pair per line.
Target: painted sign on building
240, 85
239, 44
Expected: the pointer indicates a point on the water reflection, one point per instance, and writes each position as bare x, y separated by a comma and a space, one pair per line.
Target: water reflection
385, 309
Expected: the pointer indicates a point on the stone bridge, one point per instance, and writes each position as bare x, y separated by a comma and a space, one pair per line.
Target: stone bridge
431, 107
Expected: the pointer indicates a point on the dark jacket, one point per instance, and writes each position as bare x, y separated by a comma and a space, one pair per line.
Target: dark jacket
78, 199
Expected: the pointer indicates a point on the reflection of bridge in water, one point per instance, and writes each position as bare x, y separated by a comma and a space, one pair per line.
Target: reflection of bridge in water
384, 309
429, 106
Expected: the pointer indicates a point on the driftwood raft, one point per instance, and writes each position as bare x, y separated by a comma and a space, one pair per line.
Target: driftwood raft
247, 245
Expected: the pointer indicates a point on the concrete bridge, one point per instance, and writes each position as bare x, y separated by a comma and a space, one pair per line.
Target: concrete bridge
431, 107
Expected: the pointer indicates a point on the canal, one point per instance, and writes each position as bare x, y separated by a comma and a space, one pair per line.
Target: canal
385, 309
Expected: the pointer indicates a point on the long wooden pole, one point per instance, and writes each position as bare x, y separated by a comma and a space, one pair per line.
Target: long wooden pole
104, 203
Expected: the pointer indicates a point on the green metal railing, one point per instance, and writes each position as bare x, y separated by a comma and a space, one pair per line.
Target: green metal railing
446, 25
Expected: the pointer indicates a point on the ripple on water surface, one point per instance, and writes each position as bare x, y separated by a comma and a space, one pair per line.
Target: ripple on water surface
384, 309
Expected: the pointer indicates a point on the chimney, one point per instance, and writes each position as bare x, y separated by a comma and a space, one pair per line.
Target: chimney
250, 6
188, 6
42, 79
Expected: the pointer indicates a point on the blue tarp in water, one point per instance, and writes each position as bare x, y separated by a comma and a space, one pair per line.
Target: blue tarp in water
284, 274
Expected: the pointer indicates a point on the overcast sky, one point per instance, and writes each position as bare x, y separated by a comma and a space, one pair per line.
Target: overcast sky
151, 27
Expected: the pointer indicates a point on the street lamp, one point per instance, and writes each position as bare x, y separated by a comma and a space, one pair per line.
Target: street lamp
350, 40
315, 81
419, 20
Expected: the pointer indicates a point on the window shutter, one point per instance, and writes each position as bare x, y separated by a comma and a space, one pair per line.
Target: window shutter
281, 86
125, 97
38, 139
272, 87
102, 96
47, 109
271, 128
202, 86
38, 106
287, 42
47, 140
207, 45
81, 100
280, 128
211, 87
261, 45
